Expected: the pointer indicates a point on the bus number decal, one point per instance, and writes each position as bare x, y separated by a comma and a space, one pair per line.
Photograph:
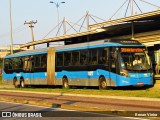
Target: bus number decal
45, 74
146, 75
18, 74
90, 73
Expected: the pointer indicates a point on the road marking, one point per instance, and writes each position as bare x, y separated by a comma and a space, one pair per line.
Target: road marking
28, 105
59, 109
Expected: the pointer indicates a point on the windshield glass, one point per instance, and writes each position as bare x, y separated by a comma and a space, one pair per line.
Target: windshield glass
134, 59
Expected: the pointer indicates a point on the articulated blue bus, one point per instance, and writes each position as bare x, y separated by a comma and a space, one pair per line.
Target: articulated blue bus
102, 63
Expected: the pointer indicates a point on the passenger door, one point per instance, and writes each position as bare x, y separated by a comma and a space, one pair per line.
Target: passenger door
113, 65
28, 69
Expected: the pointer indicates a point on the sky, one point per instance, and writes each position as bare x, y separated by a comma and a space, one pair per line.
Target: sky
46, 15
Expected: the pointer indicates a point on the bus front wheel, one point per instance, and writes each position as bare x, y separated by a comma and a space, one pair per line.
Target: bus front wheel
65, 83
102, 83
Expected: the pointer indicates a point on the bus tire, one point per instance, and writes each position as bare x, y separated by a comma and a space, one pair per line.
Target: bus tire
65, 83
15, 83
102, 83
22, 83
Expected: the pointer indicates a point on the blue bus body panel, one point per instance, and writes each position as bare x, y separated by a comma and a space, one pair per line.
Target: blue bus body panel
37, 75
83, 74
72, 74
135, 79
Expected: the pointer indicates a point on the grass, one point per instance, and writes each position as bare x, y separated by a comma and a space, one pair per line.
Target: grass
0, 69
0, 79
149, 92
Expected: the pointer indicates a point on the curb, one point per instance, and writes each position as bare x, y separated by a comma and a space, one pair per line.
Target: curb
110, 112
92, 96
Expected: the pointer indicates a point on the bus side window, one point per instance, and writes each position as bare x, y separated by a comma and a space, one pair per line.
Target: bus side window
84, 55
25, 63
59, 59
7, 65
11, 63
44, 61
93, 56
67, 59
37, 61
18, 63
31, 62
103, 56
29, 67
75, 58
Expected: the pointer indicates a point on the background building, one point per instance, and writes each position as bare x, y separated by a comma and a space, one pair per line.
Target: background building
5, 50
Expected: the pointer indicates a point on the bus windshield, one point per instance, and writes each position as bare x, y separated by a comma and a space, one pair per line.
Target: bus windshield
135, 59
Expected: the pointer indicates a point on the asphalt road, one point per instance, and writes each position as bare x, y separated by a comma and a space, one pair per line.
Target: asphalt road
88, 103
10, 111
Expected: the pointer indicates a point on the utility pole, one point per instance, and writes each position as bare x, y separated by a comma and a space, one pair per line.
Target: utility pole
11, 36
31, 27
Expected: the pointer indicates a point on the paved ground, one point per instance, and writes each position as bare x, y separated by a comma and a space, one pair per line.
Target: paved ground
15, 111
128, 106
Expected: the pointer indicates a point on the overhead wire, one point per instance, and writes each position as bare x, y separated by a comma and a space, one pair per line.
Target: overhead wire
17, 29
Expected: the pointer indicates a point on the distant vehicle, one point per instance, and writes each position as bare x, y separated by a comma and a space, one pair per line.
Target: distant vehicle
102, 63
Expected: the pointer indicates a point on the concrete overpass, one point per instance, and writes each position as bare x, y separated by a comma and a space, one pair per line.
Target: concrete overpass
113, 27
142, 27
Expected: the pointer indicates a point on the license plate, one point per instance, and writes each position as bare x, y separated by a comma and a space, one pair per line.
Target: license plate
140, 84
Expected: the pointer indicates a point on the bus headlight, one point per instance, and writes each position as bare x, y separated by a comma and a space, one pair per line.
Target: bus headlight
124, 74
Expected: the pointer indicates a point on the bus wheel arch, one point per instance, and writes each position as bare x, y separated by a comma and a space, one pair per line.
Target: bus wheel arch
22, 82
65, 83
15, 82
102, 82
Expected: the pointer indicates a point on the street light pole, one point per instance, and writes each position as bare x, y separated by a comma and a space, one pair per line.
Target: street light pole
31, 27
57, 6
11, 37
131, 5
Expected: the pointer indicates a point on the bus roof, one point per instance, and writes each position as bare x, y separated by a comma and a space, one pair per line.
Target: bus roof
100, 43
93, 44
28, 52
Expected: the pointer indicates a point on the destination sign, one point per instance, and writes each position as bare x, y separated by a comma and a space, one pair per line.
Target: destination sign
129, 41
131, 50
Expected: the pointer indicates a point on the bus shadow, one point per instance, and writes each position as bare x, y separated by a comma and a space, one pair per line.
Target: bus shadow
94, 88
131, 88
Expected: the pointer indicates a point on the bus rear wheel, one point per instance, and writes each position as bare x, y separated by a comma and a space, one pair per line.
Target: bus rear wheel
65, 83
102, 83
15, 83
